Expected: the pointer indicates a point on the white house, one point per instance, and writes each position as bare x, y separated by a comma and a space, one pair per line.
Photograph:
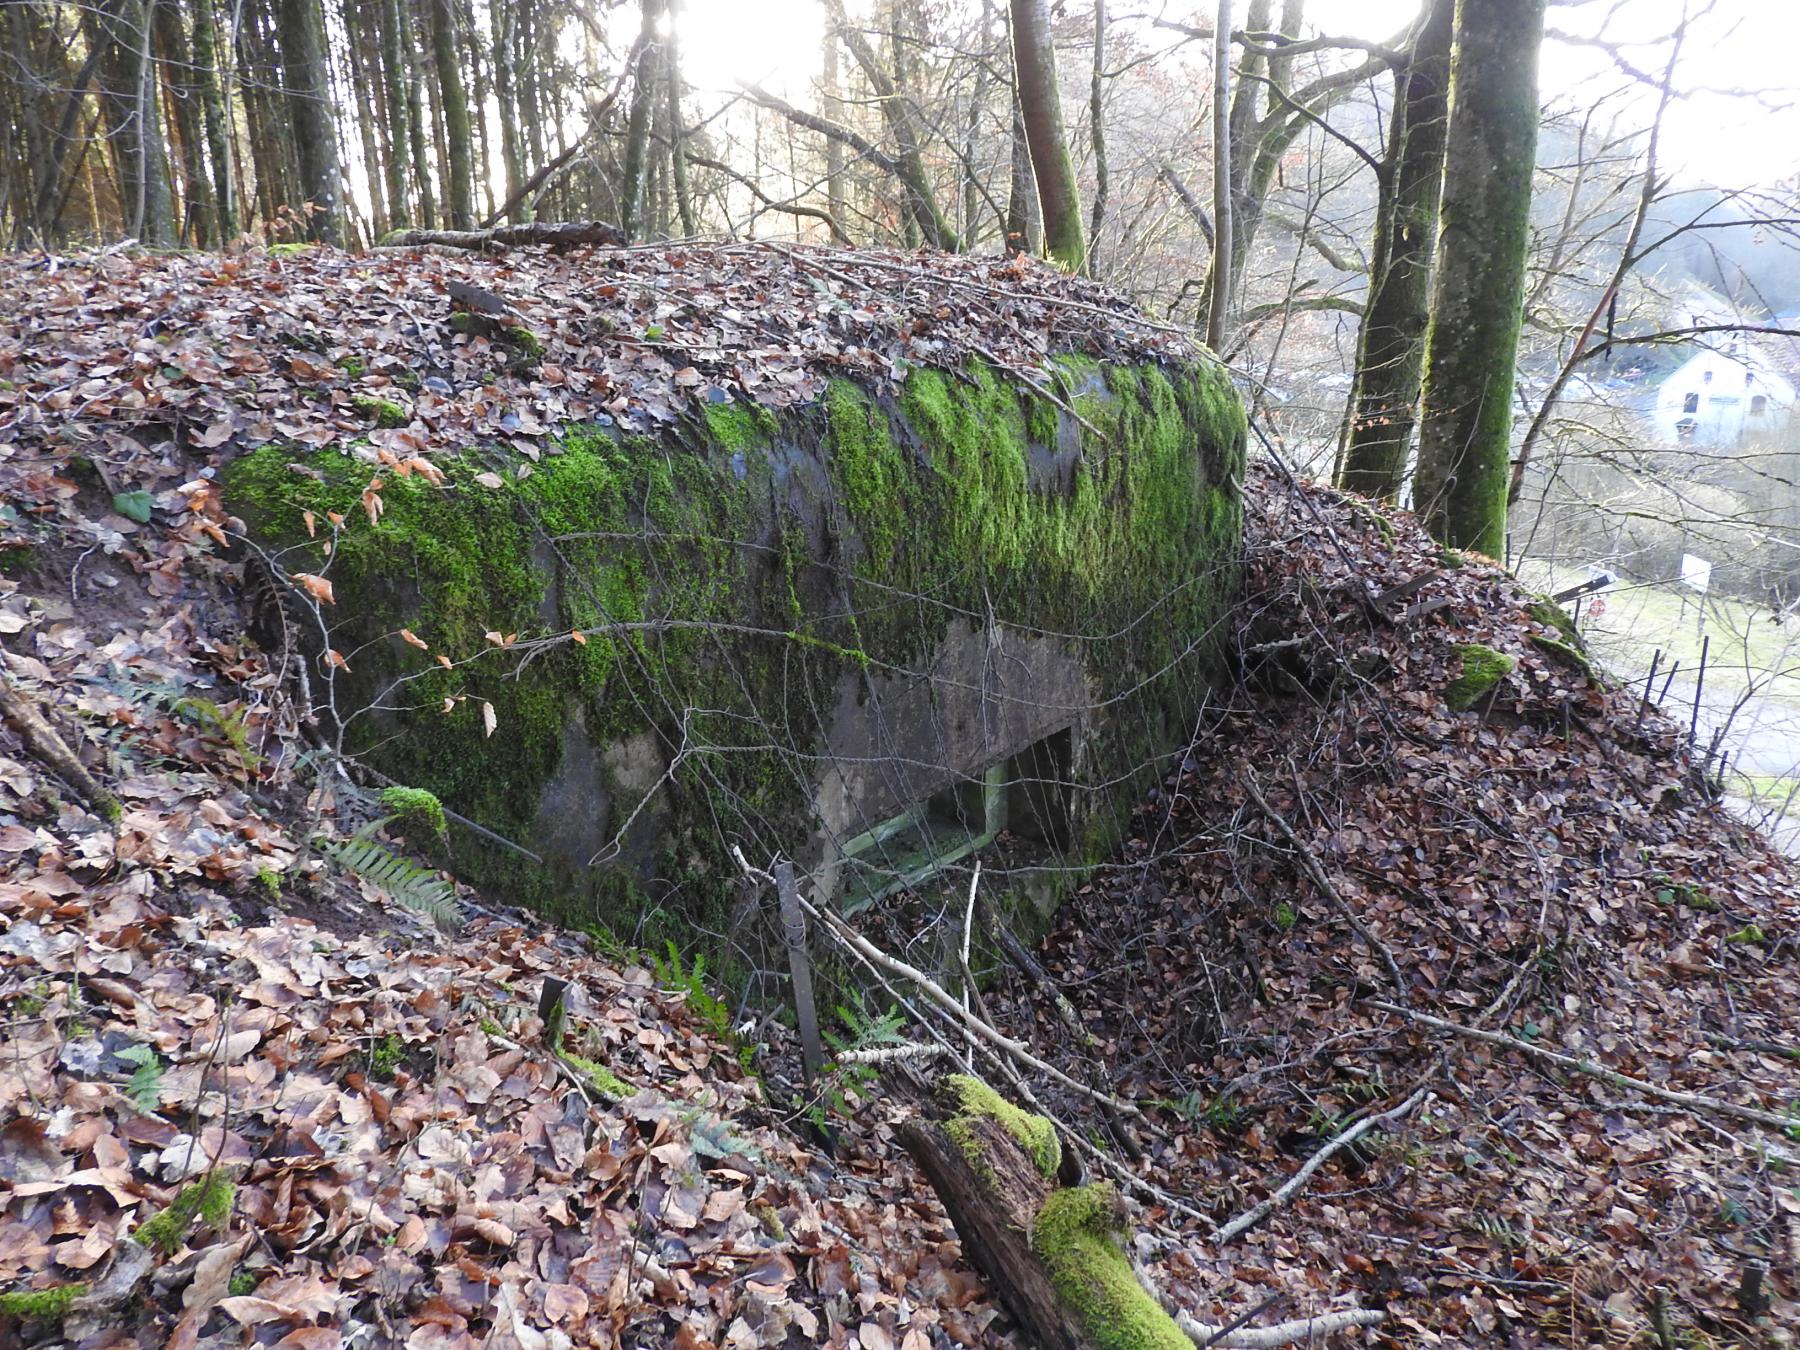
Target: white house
1723, 398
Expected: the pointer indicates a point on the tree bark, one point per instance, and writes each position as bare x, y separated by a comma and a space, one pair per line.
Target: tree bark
837, 200
637, 121
1223, 274
993, 1218
406, 30
209, 60
678, 167
364, 46
128, 107
453, 101
314, 119
557, 235
1097, 135
902, 123
502, 19
1040, 104
180, 62
1472, 347
1390, 361
1024, 223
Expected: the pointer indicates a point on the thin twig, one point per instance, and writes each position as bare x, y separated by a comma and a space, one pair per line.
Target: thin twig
1690, 1100
1310, 862
1251, 1217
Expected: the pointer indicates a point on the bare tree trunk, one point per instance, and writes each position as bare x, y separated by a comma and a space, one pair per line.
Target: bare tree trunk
210, 55
678, 169
1024, 224
903, 124
415, 113
502, 18
837, 204
1040, 103
1471, 351
971, 194
637, 122
363, 45
453, 103
1097, 134
1390, 363
1219, 281
314, 119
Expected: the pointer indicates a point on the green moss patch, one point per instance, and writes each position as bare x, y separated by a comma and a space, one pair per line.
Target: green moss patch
713, 589
207, 1200
1482, 669
975, 1099
415, 807
40, 1305
602, 1079
385, 411
1077, 1237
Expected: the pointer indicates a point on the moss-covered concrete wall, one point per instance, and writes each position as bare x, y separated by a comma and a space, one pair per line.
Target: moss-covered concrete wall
734, 633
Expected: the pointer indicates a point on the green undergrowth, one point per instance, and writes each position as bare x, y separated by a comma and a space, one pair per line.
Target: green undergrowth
728, 580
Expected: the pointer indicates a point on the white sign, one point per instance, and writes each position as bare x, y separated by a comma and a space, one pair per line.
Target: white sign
1696, 573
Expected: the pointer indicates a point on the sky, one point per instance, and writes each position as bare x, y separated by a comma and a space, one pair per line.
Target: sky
1710, 136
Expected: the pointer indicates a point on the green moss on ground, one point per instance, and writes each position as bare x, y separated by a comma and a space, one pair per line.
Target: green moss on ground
385, 411
40, 1305
414, 807
1076, 1234
1552, 615
602, 1079
1570, 655
974, 1100
207, 1200
1482, 669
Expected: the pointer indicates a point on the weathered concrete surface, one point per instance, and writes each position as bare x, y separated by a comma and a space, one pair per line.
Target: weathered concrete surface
784, 633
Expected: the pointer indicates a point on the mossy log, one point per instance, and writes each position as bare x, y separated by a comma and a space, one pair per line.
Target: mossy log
1051, 1253
555, 235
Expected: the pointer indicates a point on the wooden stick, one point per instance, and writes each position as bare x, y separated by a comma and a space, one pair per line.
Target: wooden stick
793, 932
44, 741
1251, 1217
935, 993
1281, 1333
1692, 1101
1310, 862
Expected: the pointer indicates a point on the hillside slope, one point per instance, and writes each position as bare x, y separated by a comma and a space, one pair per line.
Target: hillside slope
190, 989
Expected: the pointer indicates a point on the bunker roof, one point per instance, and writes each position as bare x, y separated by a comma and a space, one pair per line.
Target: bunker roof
318, 347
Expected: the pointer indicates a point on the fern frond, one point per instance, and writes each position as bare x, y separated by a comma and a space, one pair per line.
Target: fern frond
144, 1090
405, 882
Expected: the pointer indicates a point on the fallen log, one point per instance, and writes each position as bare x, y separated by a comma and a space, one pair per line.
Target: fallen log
556, 235
1051, 1253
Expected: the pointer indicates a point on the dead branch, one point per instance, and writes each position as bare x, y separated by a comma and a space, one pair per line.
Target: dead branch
45, 742
558, 235
1251, 1217
1310, 862
1693, 1101
1303, 1331
848, 937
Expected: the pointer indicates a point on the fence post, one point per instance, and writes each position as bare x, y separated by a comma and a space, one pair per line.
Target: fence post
793, 931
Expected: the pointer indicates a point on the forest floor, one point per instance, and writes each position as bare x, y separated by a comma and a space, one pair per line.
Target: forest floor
247, 1100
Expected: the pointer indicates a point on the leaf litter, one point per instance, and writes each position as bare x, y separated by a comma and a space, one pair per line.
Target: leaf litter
192, 993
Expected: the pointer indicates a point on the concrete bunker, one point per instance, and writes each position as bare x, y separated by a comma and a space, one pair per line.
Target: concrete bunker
874, 633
